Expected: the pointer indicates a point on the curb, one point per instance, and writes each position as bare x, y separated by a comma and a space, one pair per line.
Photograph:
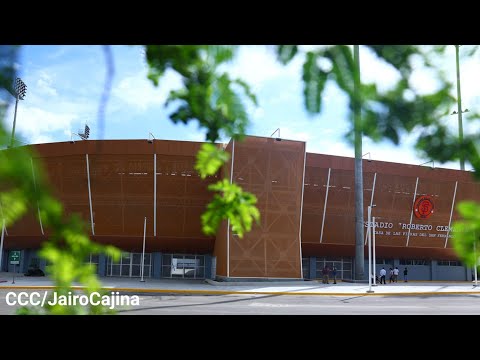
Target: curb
225, 292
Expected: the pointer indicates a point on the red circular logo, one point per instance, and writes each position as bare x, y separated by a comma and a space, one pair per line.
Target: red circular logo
423, 207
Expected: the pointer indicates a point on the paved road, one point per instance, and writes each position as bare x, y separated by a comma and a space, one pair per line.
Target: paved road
298, 305
306, 305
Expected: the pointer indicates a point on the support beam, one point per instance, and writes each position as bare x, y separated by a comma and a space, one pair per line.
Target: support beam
154, 194
411, 214
301, 209
90, 194
371, 203
325, 204
451, 213
38, 206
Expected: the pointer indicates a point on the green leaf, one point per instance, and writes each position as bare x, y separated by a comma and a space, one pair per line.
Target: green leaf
209, 159
14, 206
285, 53
221, 53
247, 90
314, 83
230, 202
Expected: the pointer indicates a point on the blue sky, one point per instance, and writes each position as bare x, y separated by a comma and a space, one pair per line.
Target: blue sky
65, 85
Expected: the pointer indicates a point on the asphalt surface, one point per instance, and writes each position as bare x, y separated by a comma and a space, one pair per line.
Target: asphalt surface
238, 304
200, 297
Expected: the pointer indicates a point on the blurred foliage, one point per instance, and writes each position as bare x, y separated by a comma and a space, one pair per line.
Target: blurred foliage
208, 95
215, 100
233, 203
210, 159
466, 232
25, 189
398, 111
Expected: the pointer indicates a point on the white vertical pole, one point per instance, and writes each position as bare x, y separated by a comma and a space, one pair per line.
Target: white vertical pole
90, 195
228, 222
154, 194
474, 254
1, 244
143, 251
369, 252
451, 213
411, 214
38, 206
374, 260
3, 217
371, 203
325, 205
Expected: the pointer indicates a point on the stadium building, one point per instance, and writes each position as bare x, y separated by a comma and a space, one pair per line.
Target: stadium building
306, 203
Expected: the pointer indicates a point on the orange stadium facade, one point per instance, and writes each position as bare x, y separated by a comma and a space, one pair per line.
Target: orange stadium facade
306, 203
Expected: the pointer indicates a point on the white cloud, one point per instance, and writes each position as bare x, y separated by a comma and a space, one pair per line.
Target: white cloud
137, 91
257, 64
36, 124
44, 85
375, 70
258, 113
196, 136
292, 134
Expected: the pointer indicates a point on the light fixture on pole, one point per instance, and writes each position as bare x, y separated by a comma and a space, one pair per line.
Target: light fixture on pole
150, 138
82, 135
369, 156
428, 162
20, 91
278, 138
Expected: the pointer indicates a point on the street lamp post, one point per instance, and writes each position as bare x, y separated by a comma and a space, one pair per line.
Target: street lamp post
476, 258
20, 91
370, 249
374, 260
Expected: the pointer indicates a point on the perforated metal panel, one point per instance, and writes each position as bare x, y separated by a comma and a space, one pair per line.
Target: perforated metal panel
273, 171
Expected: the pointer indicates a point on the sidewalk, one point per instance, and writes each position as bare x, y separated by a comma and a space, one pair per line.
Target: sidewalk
208, 287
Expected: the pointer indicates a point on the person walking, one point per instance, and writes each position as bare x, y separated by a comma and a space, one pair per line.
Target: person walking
405, 275
390, 280
383, 273
325, 272
334, 274
395, 274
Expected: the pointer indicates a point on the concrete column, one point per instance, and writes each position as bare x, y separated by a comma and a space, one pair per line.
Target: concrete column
469, 273
208, 267
4, 261
27, 255
313, 267
157, 265
102, 265
433, 270
42, 263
